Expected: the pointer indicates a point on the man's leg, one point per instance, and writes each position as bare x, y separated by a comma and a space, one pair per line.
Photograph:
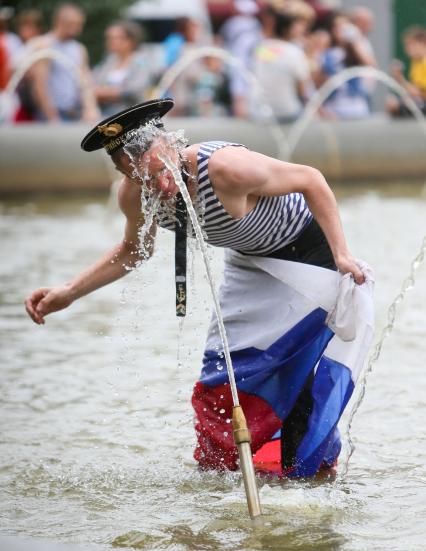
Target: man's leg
310, 247
295, 424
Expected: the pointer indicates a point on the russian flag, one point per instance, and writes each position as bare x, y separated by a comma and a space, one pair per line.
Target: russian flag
287, 324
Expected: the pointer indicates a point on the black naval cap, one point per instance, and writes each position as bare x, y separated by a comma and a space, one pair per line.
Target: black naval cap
111, 133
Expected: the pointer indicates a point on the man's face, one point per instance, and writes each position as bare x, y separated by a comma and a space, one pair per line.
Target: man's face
153, 172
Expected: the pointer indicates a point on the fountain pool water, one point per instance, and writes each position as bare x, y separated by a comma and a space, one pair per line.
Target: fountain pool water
96, 423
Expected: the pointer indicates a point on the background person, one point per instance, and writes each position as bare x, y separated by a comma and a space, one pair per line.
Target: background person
4, 54
282, 68
186, 39
316, 44
211, 91
29, 25
414, 40
124, 78
187, 31
304, 16
240, 35
58, 92
363, 19
350, 100
10, 44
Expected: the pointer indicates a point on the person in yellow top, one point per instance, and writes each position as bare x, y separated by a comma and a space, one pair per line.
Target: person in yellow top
415, 47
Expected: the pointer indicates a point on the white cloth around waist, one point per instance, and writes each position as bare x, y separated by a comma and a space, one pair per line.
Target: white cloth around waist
263, 298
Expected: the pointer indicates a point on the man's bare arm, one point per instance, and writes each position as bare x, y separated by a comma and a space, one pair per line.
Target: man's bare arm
247, 173
116, 263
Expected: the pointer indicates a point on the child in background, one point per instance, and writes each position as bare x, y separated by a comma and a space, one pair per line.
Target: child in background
415, 48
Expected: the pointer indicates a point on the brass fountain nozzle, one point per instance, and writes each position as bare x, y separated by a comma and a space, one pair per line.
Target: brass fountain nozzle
242, 439
239, 424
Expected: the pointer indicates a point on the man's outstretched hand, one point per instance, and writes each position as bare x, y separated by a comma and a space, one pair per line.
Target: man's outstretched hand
46, 300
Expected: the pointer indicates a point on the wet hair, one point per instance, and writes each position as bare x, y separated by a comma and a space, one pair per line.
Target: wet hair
416, 33
137, 141
132, 30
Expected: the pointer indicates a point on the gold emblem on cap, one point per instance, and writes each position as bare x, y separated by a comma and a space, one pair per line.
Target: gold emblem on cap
110, 130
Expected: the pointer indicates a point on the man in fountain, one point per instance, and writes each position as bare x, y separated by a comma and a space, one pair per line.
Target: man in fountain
292, 298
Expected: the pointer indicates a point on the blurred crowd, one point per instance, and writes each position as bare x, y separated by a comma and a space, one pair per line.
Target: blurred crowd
292, 47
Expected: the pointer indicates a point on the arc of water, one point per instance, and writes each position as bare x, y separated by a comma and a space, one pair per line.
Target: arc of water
299, 127
407, 285
44, 53
195, 224
170, 76
85, 86
241, 432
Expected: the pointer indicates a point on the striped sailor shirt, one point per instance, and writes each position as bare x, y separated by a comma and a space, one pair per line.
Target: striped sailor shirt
273, 223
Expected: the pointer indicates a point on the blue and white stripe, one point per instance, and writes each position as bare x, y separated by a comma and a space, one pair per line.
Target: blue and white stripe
273, 223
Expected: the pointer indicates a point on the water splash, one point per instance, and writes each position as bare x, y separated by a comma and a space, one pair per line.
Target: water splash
197, 229
138, 142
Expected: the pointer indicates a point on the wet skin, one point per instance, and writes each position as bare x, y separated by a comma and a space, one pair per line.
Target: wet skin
154, 174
